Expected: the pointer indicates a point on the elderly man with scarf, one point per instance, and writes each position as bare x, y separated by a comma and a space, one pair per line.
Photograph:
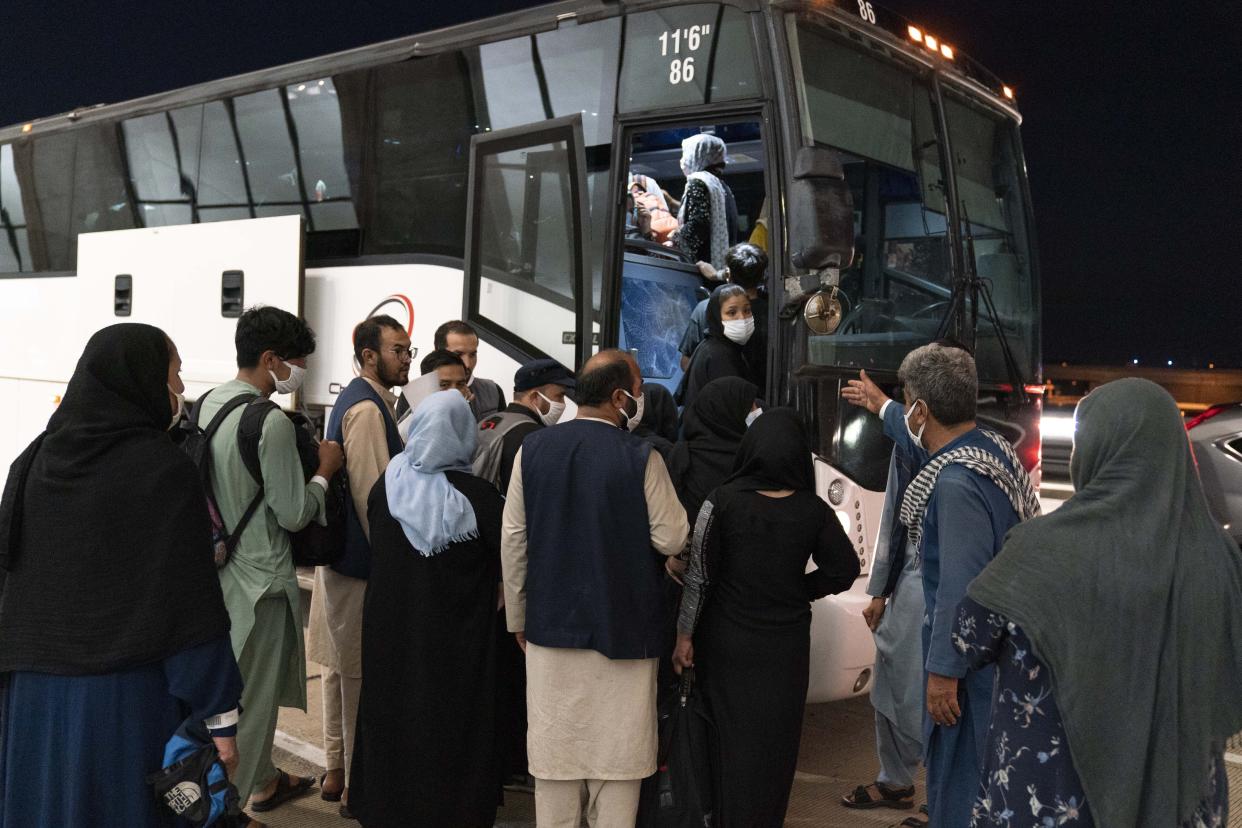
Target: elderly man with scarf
957, 509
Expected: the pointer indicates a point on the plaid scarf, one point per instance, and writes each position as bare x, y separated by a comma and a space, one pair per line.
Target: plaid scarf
1012, 479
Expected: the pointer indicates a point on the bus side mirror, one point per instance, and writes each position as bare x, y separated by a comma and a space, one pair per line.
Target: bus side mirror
821, 212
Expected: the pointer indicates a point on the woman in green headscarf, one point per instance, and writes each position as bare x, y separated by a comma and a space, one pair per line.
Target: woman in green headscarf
1116, 626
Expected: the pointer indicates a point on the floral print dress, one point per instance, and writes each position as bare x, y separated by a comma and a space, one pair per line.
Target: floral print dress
1029, 779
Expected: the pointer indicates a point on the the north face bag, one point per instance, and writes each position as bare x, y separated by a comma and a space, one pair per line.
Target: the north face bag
193, 784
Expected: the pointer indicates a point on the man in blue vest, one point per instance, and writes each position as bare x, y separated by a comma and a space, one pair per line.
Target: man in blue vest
591, 515
363, 421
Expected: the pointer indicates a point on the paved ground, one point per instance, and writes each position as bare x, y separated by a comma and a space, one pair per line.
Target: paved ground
837, 754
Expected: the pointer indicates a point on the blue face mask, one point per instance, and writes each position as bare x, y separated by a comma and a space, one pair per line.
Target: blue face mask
752, 416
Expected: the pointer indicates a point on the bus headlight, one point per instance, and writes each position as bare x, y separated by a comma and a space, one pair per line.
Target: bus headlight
836, 493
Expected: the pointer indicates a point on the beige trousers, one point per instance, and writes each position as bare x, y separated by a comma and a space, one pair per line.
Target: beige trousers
610, 803
340, 718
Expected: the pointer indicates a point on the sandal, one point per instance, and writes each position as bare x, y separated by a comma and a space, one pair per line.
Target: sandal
913, 822
285, 790
861, 798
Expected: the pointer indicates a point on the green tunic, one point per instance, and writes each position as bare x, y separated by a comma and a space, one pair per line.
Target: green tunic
262, 563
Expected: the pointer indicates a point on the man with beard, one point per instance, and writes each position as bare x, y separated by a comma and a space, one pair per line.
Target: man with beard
363, 420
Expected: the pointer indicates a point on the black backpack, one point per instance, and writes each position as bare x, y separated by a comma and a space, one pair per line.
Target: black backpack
313, 545
196, 442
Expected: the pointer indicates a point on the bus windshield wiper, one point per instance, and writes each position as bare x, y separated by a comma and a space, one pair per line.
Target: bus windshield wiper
982, 289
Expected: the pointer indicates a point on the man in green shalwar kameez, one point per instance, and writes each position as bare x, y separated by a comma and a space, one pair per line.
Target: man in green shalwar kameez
259, 583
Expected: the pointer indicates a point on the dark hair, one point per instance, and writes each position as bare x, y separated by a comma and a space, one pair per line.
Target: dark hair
369, 332
437, 358
454, 327
595, 386
265, 328
747, 264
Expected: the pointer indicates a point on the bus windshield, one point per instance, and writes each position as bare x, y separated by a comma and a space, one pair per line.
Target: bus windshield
879, 115
994, 226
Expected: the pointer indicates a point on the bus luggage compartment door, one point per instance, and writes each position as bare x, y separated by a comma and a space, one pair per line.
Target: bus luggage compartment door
193, 281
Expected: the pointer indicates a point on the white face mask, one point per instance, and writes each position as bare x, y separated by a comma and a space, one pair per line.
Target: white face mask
917, 438
752, 416
179, 410
740, 330
554, 412
287, 386
631, 423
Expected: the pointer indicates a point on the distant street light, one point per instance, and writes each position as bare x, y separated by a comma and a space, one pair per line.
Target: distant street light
1170, 363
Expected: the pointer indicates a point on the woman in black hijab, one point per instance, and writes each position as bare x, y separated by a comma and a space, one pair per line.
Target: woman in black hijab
730, 325
713, 429
113, 630
745, 620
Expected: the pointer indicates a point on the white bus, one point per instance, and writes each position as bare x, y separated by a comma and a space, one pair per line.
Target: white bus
480, 172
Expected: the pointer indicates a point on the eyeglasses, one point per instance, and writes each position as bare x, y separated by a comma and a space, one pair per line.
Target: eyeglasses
404, 354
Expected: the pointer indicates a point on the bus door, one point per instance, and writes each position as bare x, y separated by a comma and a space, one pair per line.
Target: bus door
527, 288
662, 278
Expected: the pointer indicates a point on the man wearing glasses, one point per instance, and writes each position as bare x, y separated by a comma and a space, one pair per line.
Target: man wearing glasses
364, 421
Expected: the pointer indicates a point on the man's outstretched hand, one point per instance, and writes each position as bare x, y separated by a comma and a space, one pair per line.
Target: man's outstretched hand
864, 393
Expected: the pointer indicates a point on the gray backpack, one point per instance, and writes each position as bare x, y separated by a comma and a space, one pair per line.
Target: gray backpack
491, 445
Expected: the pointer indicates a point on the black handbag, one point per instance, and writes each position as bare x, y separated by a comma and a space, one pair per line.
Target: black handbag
681, 794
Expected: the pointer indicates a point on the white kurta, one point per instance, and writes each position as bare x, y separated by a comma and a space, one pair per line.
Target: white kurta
590, 717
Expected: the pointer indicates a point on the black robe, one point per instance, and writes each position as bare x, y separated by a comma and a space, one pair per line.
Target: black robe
714, 427
426, 751
753, 638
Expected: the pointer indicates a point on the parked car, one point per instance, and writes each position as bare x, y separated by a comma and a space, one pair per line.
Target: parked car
1216, 436
1056, 429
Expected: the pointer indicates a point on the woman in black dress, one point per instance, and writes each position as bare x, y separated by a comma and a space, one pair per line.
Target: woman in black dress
113, 629
745, 618
730, 325
713, 429
427, 751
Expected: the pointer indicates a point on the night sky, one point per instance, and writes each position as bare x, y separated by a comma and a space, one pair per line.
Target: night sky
1133, 129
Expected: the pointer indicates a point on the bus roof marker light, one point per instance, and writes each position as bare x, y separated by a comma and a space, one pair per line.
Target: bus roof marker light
1008, 91
946, 50
931, 43
916, 34
27, 127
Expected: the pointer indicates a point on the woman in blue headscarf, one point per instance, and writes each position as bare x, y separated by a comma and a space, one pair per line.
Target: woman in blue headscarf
426, 749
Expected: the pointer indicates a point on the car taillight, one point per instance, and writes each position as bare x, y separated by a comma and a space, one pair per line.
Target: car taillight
1200, 419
